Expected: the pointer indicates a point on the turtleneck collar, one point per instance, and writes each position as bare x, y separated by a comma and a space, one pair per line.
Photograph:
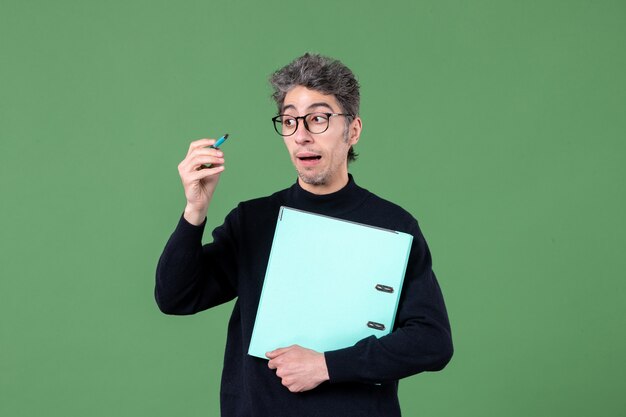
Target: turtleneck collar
334, 204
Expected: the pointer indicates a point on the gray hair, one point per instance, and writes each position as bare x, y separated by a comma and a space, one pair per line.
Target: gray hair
323, 74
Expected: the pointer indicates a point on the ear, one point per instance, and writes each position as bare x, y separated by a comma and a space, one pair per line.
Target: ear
354, 130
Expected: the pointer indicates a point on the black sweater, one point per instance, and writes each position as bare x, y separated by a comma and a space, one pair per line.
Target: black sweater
364, 377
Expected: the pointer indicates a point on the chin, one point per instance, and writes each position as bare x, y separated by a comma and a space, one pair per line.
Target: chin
319, 179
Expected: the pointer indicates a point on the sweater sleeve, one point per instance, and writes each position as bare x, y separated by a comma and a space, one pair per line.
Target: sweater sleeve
421, 340
191, 277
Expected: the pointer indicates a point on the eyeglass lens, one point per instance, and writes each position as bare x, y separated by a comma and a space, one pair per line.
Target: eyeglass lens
313, 122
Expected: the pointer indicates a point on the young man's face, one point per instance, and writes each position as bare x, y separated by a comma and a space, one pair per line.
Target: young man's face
320, 159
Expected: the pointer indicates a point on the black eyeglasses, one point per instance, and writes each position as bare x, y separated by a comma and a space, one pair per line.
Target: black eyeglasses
286, 125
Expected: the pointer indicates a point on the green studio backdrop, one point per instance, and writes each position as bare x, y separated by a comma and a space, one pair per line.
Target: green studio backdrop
499, 124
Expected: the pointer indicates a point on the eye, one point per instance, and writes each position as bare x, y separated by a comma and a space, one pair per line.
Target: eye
318, 118
288, 121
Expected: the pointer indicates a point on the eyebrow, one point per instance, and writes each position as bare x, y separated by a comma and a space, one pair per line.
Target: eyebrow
312, 106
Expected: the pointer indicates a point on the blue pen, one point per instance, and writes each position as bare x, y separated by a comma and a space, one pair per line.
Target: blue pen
216, 145
219, 142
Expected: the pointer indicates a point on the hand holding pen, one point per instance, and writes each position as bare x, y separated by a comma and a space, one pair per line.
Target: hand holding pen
216, 145
200, 172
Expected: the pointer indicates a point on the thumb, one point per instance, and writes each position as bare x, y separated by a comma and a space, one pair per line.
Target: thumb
277, 352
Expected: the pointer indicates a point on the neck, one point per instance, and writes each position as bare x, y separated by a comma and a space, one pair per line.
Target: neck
336, 204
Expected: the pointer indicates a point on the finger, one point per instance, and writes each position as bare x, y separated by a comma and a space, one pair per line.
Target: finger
271, 365
206, 162
204, 152
209, 165
277, 352
203, 173
201, 143
191, 173
194, 177
193, 162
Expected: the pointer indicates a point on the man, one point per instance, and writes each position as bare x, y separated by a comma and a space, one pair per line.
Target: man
318, 106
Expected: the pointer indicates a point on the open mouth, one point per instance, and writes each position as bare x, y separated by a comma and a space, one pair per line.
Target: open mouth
309, 158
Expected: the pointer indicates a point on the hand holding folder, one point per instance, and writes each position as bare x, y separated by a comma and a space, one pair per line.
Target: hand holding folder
329, 283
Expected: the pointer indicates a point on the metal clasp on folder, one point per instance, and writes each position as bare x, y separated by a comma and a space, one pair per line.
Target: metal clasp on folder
376, 326
384, 288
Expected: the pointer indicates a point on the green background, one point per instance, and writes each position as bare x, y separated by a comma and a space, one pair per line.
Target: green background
499, 124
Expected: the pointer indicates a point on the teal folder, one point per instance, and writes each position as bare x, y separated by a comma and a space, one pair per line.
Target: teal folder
329, 283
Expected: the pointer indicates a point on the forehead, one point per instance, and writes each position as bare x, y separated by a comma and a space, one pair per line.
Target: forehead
301, 99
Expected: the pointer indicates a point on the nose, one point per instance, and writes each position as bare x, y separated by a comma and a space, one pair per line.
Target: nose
302, 135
